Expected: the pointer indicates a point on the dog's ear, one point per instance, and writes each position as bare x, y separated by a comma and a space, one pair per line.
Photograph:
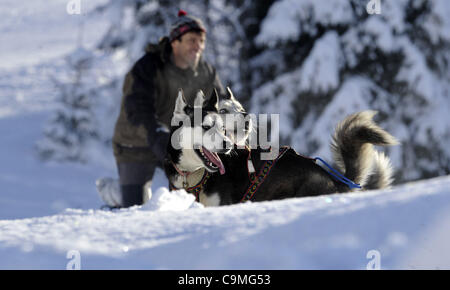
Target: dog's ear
214, 93
213, 101
199, 99
180, 104
229, 94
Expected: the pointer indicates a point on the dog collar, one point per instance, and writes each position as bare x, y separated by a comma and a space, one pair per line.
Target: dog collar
196, 189
181, 172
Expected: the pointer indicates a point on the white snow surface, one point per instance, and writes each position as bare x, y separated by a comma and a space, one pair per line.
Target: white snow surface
50, 210
407, 226
38, 30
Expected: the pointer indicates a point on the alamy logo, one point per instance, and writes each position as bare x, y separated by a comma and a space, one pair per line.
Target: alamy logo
75, 260
374, 260
374, 7
193, 136
73, 7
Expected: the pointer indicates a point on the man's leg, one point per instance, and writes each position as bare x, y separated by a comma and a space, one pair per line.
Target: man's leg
133, 176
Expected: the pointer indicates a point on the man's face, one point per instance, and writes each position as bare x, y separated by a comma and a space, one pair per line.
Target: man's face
188, 49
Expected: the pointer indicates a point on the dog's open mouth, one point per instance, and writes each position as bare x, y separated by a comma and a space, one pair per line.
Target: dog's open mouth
211, 160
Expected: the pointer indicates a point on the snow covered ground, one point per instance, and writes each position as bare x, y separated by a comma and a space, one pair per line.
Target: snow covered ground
41, 30
50, 216
403, 228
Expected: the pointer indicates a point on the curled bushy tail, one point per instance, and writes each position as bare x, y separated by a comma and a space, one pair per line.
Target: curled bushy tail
382, 172
353, 151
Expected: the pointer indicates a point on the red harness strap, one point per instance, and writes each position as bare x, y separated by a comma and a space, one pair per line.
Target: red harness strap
257, 181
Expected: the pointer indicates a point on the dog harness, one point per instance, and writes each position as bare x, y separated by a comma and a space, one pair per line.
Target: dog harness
196, 189
258, 180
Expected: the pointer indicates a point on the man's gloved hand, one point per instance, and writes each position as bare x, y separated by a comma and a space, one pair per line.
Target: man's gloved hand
159, 145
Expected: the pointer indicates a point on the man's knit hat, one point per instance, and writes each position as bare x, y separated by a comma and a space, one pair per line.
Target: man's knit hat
184, 24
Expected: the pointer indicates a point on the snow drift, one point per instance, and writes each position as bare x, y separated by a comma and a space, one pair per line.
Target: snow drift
406, 226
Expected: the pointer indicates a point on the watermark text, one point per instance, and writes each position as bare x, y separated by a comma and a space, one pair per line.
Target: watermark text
73, 7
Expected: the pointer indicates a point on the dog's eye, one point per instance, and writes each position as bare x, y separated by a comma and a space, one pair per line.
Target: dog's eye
223, 111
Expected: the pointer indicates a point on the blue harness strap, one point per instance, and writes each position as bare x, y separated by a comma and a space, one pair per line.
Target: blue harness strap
338, 175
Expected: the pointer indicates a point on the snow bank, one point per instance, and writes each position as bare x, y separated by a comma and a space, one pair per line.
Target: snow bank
406, 226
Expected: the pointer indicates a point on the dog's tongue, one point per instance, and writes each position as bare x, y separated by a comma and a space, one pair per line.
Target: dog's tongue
214, 158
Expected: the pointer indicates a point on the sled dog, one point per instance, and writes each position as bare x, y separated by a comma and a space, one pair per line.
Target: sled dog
228, 176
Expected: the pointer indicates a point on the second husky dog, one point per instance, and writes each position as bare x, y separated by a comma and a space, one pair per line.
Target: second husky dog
290, 174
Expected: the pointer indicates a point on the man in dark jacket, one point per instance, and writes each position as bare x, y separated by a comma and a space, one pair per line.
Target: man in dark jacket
149, 94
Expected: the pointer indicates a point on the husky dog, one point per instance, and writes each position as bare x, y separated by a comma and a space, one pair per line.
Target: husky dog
290, 174
238, 124
192, 154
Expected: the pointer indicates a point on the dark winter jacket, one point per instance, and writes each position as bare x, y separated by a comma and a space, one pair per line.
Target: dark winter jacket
149, 94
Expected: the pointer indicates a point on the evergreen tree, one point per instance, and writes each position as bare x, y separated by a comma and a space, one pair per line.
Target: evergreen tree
313, 62
74, 124
321, 60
